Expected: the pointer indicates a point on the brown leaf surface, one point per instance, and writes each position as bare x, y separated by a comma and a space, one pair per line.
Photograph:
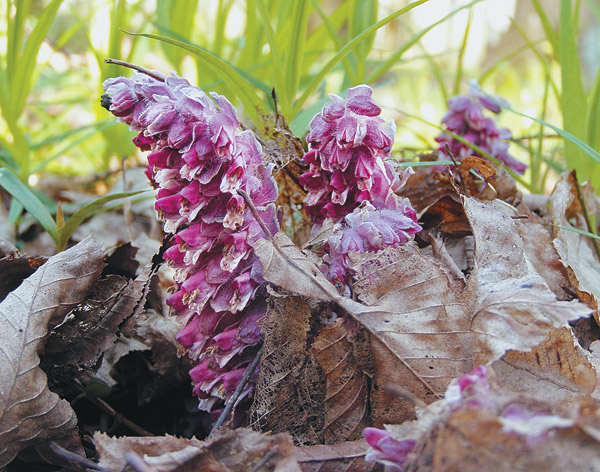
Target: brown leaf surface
576, 251
341, 457
425, 328
557, 370
290, 390
235, 451
29, 412
92, 327
340, 349
475, 440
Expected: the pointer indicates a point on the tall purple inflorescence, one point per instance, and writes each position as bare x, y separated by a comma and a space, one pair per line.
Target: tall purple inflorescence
465, 119
351, 181
199, 158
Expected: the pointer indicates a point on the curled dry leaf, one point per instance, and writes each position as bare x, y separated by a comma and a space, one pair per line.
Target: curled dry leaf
576, 251
29, 412
235, 451
342, 457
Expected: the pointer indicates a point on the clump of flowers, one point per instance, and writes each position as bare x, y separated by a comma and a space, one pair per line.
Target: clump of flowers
351, 182
349, 143
200, 157
465, 118
368, 229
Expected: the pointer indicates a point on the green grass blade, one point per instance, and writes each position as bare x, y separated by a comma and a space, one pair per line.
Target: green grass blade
551, 35
242, 88
363, 14
314, 83
11, 183
337, 41
25, 66
573, 101
80, 215
461, 56
592, 120
395, 57
278, 77
595, 9
295, 50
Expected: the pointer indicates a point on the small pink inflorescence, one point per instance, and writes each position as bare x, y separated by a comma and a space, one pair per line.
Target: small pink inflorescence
351, 181
465, 119
199, 158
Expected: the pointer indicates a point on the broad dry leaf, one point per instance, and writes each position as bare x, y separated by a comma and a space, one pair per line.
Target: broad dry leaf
29, 412
538, 247
340, 349
576, 251
510, 306
235, 451
92, 327
557, 370
342, 457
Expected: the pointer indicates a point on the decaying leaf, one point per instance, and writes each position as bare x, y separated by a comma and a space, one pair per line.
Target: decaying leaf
239, 450
341, 457
475, 440
290, 391
92, 327
339, 349
557, 370
576, 251
29, 412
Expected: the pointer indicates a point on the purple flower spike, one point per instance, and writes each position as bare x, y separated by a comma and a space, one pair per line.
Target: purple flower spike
200, 158
465, 118
387, 450
349, 143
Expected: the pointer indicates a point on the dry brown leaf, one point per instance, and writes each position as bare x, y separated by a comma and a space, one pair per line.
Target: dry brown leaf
576, 251
29, 412
235, 451
538, 247
92, 327
510, 305
557, 370
291, 386
425, 329
474, 440
341, 457
340, 349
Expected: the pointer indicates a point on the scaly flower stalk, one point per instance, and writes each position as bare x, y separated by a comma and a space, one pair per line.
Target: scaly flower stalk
199, 158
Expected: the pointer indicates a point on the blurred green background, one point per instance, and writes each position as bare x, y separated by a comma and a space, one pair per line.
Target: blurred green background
542, 56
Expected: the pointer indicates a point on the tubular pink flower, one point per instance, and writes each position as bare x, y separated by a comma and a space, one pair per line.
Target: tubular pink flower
368, 229
465, 118
349, 144
387, 450
200, 157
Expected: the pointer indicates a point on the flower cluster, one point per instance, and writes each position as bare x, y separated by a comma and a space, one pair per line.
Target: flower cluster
348, 144
200, 157
368, 229
465, 119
